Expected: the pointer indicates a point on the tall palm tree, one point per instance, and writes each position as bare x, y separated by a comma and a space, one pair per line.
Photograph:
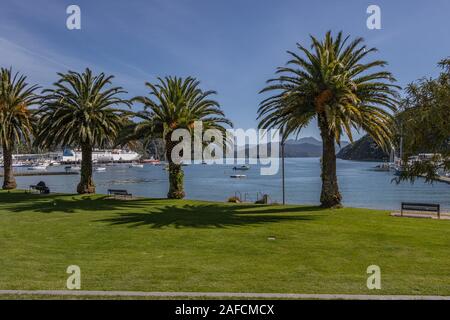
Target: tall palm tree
332, 83
176, 103
16, 119
81, 111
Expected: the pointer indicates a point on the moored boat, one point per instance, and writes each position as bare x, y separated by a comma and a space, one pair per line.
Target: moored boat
242, 168
38, 167
151, 161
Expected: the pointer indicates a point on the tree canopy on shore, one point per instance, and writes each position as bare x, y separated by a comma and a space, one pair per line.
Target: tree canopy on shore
424, 124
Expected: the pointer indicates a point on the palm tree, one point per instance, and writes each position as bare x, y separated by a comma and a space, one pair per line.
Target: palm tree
16, 120
332, 83
81, 111
176, 103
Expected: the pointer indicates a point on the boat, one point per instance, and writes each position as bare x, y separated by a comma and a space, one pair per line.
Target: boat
136, 165
238, 176
242, 168
100, 169
75, 168
38, 167
19, 164
151, 161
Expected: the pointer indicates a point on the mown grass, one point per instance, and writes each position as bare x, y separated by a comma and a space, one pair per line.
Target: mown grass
165, 245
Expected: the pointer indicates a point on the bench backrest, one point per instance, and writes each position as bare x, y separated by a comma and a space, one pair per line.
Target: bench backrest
432, 207
117, 191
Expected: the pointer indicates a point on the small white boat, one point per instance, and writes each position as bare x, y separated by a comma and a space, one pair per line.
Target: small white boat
238, 176
38, 167
19, 164
100, 169
136, 165
76, 168
242, 168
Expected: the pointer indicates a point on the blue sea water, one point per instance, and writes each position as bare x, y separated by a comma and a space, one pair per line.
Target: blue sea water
360, 185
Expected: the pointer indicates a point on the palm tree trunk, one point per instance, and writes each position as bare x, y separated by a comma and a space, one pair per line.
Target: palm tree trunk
9, 182
176, 174
86, 184
330, 196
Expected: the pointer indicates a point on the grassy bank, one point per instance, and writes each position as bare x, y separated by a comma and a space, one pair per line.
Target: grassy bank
165, 245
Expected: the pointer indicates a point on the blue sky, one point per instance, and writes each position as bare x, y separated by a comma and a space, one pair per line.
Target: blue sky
232, 46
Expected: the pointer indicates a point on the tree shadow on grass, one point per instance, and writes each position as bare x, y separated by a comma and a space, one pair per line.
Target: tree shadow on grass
25, 202
210, 216
157, 213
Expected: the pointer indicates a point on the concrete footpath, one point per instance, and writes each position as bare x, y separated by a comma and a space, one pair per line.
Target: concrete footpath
219, 295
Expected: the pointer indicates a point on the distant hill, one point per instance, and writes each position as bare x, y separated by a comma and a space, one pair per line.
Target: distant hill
364, 149
301, 148
308, 140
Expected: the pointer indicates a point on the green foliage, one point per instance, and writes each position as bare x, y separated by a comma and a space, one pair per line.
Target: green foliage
16, 118
424, 122
177, 103
80, 109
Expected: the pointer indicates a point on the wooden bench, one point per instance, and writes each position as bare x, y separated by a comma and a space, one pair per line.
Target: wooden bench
428, 207
40, 189
119, 192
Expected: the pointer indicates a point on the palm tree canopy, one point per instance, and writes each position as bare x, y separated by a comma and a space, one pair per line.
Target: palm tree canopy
177, 103
332, 81
16, 119
81, 109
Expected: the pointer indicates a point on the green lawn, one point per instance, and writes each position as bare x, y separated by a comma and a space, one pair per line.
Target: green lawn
164, 245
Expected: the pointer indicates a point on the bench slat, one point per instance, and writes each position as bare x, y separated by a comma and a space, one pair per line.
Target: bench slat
119, 192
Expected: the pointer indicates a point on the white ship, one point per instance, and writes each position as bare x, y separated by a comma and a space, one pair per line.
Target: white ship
70, 155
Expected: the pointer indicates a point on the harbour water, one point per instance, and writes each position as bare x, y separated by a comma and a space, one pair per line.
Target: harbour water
361, 186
